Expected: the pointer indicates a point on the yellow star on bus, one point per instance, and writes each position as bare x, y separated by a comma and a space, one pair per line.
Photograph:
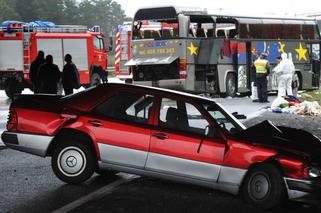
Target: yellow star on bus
192, 49
302, 52
281, 49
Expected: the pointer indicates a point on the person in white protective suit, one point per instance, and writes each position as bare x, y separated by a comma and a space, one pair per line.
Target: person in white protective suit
285, 70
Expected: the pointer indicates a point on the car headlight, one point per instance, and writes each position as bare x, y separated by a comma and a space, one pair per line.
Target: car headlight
314, 172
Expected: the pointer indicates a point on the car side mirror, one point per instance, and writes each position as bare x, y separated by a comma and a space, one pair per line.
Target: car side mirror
238, 116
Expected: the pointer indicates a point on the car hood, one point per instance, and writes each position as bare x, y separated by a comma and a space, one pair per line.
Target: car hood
287, 139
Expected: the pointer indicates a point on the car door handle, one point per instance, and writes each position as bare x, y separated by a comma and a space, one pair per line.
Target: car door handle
160, 136
95, 123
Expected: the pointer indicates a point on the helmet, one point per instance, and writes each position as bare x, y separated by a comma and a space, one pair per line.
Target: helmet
264, 55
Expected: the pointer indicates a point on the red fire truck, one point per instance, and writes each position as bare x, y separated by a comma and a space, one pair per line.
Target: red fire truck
20, 43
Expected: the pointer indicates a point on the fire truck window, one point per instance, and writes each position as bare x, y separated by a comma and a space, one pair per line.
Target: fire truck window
97, 43
127, 106
101, 41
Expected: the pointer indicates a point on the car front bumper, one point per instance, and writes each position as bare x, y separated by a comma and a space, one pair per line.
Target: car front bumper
304, 190
30, 143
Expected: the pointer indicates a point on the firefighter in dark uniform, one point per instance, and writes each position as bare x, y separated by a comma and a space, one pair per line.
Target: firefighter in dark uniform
262, 71
34, 70
49, 76
70, 76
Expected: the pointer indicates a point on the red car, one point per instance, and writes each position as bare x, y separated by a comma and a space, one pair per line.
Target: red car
165, 134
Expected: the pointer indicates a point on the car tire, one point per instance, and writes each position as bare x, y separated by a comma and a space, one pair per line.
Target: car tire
264, 187
230, 85
73, 162
95, 79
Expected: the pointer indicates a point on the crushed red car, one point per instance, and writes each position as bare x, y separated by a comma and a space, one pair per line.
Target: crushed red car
166, 134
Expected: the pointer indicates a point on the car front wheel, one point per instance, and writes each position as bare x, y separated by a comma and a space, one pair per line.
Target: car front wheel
264, 187
73, 162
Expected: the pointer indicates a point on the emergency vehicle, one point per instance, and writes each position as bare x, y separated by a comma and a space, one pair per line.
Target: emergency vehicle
201, 52
19, 44
122, 50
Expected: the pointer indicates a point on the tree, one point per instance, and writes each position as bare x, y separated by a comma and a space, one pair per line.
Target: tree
8, 10
71, 13
106, 13
46, 10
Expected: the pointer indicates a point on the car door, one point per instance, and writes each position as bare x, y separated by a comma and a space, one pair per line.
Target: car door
178, 146
121, 128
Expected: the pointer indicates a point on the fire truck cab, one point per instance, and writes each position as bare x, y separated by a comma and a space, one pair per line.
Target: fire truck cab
19, 44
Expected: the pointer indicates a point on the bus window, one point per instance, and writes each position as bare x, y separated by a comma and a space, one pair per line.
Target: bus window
244, 32
309, 32
210, 33
256, 31
272, 31
292, 31
155, 29
225, 29
200, 26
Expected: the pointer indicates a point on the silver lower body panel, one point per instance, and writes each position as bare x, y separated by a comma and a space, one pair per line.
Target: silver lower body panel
29, 143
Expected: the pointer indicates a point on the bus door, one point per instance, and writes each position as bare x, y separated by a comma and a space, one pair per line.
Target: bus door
314, 50
243, 61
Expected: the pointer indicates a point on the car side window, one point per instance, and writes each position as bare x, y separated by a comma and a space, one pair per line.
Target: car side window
178, 115
127, 106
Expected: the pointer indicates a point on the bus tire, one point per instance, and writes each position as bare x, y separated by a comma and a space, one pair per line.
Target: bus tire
12, 87
230, 85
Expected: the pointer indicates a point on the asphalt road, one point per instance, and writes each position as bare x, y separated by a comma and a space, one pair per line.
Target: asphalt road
27, 184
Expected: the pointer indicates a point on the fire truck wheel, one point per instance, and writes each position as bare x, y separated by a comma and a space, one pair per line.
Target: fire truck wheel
230, 85
95, 79
12, 87
73, 162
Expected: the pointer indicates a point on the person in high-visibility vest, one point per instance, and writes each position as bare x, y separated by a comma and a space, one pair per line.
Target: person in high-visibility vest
262, 67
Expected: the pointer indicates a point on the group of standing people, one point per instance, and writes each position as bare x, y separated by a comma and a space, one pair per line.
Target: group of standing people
261, 69
45, 75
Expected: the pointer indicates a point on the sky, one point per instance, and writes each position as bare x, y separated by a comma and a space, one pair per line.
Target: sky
248, 7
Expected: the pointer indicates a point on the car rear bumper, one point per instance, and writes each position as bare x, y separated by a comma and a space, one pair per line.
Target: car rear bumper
30, 143
304, 190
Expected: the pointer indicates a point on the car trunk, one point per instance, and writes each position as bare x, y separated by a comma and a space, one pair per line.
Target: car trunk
38, 114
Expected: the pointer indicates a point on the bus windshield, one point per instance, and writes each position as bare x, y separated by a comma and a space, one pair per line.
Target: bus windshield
155, 29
